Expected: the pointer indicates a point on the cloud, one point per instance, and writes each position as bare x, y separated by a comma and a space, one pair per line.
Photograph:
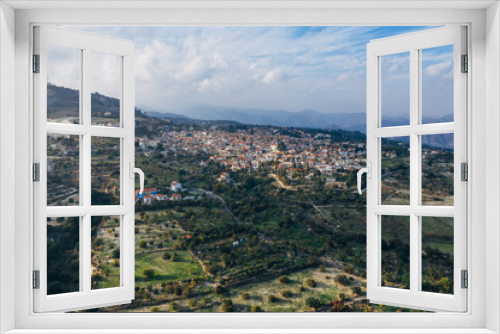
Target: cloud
437, 69
393, 68
273, 76
343, 77
292, 68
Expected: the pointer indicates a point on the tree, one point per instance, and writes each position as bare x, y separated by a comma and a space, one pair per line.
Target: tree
256, 308
143, 244
282, 147
219, 290
148, 273
227, 305
272, 299
286, 293
311, 283
245, 296
312, 303
283, 280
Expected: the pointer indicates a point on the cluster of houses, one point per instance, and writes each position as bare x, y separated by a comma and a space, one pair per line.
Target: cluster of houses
151, 195
250, 149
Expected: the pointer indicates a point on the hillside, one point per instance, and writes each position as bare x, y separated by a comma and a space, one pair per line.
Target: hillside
63, 103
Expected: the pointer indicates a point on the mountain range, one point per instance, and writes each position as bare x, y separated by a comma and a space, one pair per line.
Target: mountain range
305, 118
63, 102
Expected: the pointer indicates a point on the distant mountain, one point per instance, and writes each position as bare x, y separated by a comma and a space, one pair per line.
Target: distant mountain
64, 103
166, 115
304, 118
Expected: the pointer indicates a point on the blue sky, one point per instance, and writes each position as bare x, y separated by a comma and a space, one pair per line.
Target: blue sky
285, 68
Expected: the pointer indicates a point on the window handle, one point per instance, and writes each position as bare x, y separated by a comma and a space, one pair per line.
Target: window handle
368, 171
133, 171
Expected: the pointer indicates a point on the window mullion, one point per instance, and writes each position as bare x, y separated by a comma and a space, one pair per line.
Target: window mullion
414, 170
86, 166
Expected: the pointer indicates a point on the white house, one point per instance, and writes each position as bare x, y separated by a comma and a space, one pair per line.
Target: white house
176, 186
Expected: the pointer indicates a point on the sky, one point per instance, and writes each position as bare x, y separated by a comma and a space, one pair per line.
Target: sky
278, 68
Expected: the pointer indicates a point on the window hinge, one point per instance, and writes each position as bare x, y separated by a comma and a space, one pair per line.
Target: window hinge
36, 63
36, 279
465, 279
464, 171
36, 172
465, 64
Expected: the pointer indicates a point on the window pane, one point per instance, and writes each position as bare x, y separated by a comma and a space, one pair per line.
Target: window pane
63, 255
395, 89
63, 84
437, 254
105, 171
437, 84
395, 173
63, 170
105, 252
105, 88
437, 169
396, 251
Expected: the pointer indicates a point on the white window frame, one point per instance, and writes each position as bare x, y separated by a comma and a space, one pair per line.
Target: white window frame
413, 43
483, 102
86, 43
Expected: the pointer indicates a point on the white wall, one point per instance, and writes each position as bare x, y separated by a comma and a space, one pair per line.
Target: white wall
492, 166
7, 160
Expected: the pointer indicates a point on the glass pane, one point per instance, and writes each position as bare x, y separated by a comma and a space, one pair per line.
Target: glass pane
437, 84
437, 254
396, 251
63, 170
395, 173
63, 255
105, 88
63, 84
105, 252
105, 171
437, 169
395, 89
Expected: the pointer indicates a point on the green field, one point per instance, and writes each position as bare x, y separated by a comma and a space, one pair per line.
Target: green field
165, 270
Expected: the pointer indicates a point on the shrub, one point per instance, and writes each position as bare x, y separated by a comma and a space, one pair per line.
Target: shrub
245, 296
155, 309
173, 307
166, 256
219, 290
356, 290
142, 244
256, 308
283, 280
286, 293
300, 289
311, 283
342, 279
149, 273
116, 253
227, 306
272, 299
342, 296
322, 269
177, 291
312, 303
